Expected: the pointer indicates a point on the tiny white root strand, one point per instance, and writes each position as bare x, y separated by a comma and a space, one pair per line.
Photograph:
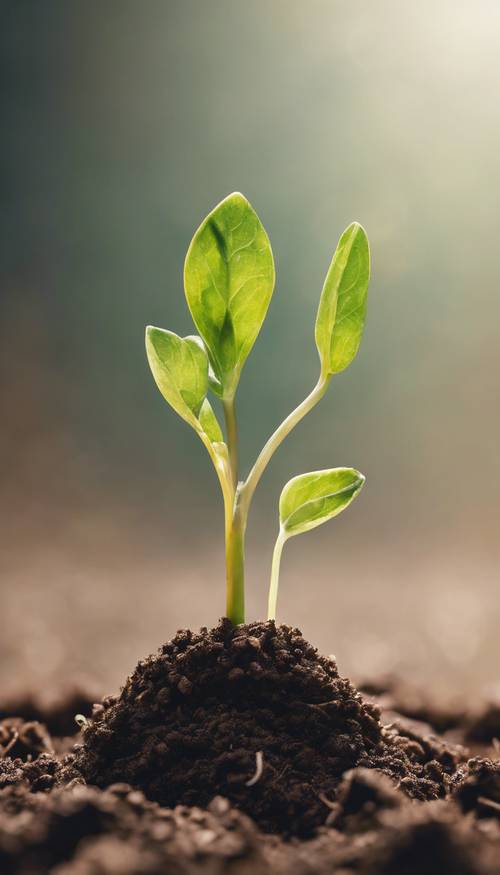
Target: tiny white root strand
81, 721
259, 768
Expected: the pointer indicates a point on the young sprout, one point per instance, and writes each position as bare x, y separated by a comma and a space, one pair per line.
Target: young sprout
308, 501
229, 280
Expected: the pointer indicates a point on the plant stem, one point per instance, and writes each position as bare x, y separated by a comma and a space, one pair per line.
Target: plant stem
250, 484
275, 574
236, 522
232, 436
235, 603
235, 565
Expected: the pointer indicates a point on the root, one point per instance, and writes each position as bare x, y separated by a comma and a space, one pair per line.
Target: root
259, 768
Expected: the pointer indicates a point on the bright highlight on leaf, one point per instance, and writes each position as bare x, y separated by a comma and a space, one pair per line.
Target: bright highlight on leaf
342, 307
308, 501
229, 281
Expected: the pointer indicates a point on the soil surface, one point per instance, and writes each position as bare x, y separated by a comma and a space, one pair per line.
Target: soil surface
241, 750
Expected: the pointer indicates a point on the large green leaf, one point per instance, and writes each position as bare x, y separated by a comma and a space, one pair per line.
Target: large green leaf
342, 307
229, 281
311, 499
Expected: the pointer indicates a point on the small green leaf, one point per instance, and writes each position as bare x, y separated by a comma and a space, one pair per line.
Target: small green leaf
180, 368
229, 281
311, 499
342, 307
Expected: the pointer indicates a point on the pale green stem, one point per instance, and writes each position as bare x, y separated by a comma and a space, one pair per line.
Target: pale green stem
232, 436
250, 484
275, 575
234, 526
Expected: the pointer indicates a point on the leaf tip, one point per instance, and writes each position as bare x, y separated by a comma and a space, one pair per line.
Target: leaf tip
237, 195
152, 332
148, 335
235, 199
359, 482
357, 228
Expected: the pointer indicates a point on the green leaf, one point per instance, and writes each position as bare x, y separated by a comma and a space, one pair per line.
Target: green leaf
342, 307
311, 499
229, 281
209, 423
180, 369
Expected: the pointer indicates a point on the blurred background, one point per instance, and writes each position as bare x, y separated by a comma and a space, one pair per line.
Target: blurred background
123, 124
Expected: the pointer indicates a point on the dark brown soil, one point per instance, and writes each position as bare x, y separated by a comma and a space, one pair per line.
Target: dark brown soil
479, 722
476, 787
22, 739
116, 832
374, 830
56, 709
165, 779
194, 720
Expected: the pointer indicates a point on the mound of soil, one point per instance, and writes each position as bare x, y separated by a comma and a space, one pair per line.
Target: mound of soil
254, 714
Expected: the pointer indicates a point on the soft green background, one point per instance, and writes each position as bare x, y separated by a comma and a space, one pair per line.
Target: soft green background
123, 123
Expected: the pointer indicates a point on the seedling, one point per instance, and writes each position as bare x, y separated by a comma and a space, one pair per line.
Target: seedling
229, 280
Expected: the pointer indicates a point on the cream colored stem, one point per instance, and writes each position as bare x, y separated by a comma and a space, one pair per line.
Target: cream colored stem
248, 488
275, 576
